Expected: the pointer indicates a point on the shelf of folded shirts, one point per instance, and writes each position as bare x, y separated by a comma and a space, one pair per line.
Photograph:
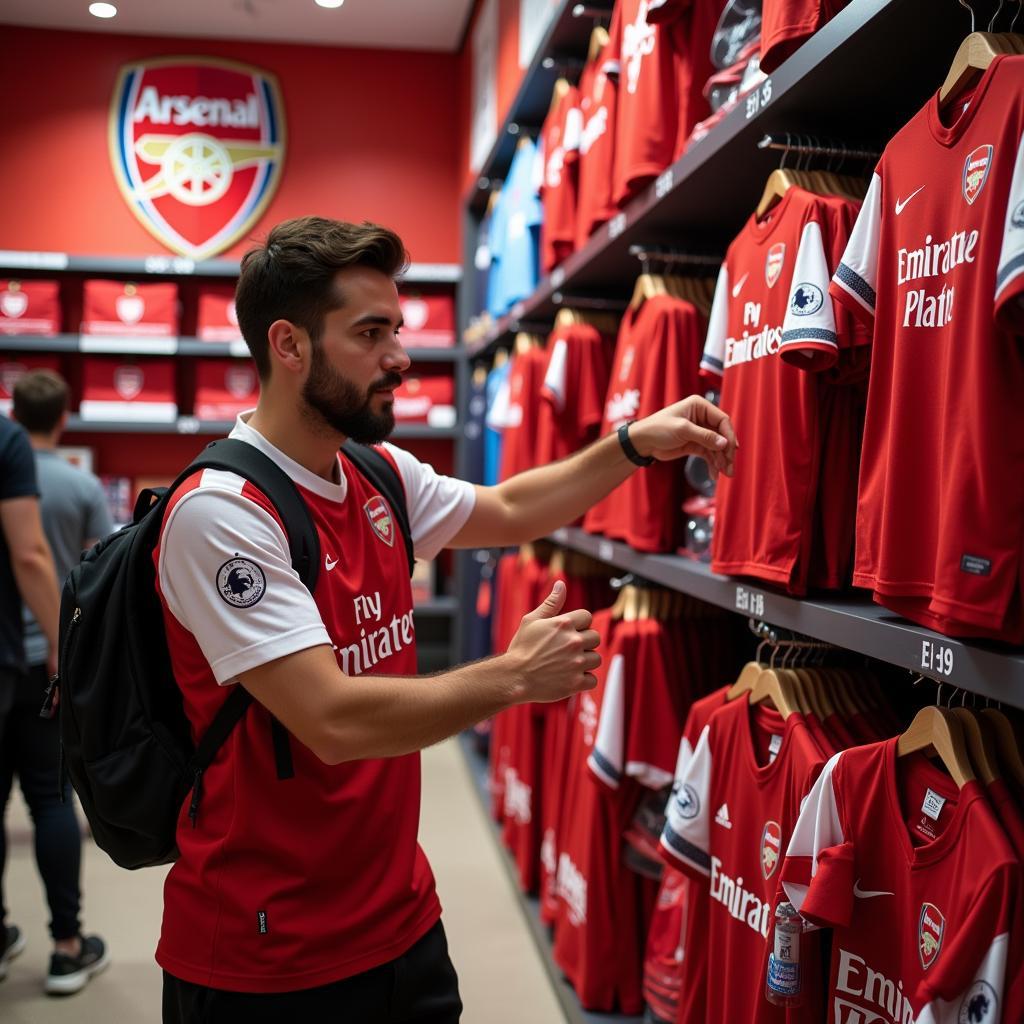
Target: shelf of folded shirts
13, 261
439, 606
220, 428
851, 621
173, 346
476, 763
700, 202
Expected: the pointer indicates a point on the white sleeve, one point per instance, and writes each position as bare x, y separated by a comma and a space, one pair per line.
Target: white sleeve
438, 505
809, 329
606, 759
713, 360
554, 378
687, 833
857, 274
227, 577
1011, 256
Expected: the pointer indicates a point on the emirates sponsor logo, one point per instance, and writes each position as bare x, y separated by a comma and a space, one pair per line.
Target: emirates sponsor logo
764, 343
373, 645
518, 798
934, 260
571, 887
865, 996
742, 904
622, 407
976, 169
553, 168
638, 41
930, 931
594, 129
588, 718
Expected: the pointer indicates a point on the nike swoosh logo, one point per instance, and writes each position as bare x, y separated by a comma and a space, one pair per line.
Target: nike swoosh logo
328, 564
901, 203
738, 286
866, 894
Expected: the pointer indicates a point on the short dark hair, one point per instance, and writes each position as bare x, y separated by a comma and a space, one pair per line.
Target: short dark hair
40, 399
291, 276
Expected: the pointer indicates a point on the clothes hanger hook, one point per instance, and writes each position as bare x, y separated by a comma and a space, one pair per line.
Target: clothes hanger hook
963, 3
1013, 24
938, 696
995, 17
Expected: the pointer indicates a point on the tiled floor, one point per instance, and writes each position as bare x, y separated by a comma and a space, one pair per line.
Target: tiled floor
502, 978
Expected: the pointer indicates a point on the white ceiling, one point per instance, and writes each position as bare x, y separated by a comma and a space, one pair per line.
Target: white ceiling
391, 24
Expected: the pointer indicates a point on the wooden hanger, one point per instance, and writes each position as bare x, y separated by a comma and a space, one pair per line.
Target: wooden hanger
598, 41
558, 93
976, 53
780, 181
647, 287
936, 730
527, 553
745, 681
500, 358
1006, 744
980, 745
479, 376
778, 688
566, 317
556, 564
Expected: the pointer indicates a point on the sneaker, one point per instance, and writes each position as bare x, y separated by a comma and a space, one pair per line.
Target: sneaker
70, 974
13, 945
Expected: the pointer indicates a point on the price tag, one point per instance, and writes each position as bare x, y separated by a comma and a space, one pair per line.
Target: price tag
557, 277
751, 602
188, 425
759, 98
663, 184
936, 658
605, 550
616, 225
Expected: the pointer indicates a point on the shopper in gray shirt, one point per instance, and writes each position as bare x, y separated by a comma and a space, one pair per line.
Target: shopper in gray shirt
75, 515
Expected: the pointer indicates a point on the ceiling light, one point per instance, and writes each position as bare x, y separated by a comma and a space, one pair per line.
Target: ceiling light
102, 10
329, 3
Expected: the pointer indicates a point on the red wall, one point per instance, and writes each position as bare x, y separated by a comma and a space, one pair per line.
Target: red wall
371, 135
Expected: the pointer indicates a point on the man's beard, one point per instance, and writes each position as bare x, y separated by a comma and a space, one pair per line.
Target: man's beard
334, 401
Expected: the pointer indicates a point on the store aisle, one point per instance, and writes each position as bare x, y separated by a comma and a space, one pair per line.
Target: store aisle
503, 980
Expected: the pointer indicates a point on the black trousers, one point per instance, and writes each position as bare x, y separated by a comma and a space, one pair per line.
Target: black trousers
420, 987
30, 749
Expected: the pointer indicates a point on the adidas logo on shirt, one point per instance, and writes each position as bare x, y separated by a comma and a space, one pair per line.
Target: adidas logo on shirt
722, 816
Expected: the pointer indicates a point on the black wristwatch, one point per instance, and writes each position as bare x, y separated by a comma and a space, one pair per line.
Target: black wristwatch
627, 446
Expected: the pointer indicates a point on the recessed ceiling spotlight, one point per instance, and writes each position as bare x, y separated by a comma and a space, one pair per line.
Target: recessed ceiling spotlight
329, 3
103, 10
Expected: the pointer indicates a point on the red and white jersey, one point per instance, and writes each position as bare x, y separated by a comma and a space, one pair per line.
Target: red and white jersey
919, 885
426, 398
29, 307
225, 388
772, 321
119, 389
597, 100
728, 824
118, 310
573, 392
218, 319
558, 152
428, 319
519, 438
656, 364
936, 266
290, 884
14, 367
788, 24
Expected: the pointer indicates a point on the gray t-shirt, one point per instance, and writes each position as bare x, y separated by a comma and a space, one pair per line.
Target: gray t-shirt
74, 510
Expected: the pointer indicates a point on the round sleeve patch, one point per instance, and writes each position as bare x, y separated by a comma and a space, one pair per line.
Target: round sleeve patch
241, 582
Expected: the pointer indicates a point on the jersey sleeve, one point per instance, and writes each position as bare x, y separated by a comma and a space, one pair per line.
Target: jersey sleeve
205, 530
809, 336
686, 837
607, 760
855, 283
712, 364
18, 465
98, 522
661, 12
817, 873
438, 505
1010, 275
554, 389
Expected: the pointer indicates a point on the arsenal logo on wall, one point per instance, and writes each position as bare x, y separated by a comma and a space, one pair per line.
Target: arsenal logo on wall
197, 146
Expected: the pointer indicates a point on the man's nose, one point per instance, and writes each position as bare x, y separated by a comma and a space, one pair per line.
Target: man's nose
396, 359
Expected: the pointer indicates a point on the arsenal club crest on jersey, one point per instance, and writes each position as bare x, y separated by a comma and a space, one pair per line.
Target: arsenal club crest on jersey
197, 146
379, 514
130, 306
930, 929
10, 374
13, 302
774, 262
128, 381
239, 381
771, 848
976, 168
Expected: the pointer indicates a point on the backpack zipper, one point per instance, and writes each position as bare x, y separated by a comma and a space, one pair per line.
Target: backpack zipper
53, 687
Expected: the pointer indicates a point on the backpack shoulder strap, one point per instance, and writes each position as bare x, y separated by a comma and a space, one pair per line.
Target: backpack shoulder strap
383, 475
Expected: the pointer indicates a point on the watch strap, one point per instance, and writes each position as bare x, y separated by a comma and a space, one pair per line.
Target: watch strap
627, 447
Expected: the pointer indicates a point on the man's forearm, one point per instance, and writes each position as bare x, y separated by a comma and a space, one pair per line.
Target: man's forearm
33, 573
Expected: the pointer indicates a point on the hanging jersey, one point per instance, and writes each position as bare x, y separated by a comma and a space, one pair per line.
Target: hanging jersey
936, 266
362, 893
495, 421
919, 885
519, 439
788, 24
597, 98
656, 364
559, 150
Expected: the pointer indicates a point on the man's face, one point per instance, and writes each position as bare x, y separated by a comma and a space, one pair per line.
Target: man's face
359, 360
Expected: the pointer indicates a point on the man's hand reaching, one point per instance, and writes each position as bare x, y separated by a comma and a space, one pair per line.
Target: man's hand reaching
693, 426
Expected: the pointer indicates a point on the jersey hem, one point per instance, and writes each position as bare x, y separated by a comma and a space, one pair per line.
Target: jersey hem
771, 574
783, 43
267, 983
638, 177
232, 665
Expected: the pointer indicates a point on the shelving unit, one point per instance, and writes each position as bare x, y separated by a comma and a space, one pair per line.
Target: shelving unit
192, 425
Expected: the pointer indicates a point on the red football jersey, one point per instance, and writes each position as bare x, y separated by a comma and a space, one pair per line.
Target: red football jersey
919, 885
428, 319
559, 148
787, 24
225, 387
597, 102
728, 824
13, 367
117, 309
218, 320
519, 438
771, 322
29, 307
936, 265
426, 398
656, 364
115, 389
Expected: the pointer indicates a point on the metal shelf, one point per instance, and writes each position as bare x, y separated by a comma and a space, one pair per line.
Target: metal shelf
574, 1013
701, 201
179, 266
192, 425
850, 621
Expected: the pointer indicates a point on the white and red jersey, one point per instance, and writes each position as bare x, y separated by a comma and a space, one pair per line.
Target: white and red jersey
426, 398
919, 885
772, 321
218, 319
290, 884
29, 307
656, 364
428, 319
519, 438
115, 388
788, 24
558, 153
14, 367
729, 821
117, 309
936, 266
597, 101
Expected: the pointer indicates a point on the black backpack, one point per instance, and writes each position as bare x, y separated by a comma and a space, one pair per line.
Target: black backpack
125, 740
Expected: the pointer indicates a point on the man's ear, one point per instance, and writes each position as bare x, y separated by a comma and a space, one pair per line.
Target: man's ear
289, 346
